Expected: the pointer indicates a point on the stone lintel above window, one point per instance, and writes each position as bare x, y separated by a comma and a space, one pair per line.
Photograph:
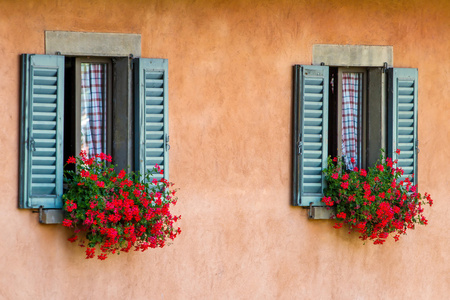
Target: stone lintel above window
352, 55
92, 43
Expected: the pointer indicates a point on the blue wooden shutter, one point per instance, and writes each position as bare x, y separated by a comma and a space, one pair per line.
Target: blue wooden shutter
151, 115
310, 134
41, 141
402, 116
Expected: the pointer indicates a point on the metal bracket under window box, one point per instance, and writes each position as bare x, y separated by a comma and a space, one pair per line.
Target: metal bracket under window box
320, 212
50, 216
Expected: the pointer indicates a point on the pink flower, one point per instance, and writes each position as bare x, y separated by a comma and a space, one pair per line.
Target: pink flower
102, 156
389, 162
90, 252
73, 239
344, 185
67, 223
335, 176
341, 215
122, 174
338, 225
327, 201
100, 184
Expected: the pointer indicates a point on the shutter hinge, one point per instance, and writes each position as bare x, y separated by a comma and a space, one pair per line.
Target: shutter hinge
39, 212
417, 146
385, 67
310, 211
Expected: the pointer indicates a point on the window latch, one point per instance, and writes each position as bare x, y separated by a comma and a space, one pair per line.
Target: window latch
32, 145
299, 145
167, 142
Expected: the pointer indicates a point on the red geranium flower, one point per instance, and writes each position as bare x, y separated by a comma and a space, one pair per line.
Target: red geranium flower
112, 217
378, 202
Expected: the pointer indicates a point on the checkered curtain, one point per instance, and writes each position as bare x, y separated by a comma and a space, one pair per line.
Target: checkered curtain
351, 91
93, 108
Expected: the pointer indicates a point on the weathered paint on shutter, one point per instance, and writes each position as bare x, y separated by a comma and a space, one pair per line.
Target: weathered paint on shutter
402, 113
151, 115
310, 134
41, 141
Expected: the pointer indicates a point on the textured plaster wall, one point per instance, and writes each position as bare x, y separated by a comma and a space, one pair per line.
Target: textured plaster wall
230, 80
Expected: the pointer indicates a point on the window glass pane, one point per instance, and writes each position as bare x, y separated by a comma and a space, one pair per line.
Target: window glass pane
351, 118
93, 108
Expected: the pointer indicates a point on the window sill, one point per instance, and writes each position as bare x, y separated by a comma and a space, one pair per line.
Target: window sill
50, 216
321, 212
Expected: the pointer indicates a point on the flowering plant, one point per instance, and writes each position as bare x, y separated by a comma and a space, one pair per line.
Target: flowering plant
116, 211
374, 202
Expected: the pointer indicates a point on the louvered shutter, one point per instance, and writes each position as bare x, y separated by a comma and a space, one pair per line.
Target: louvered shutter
151, 115
310, 134
41, 142
402, 112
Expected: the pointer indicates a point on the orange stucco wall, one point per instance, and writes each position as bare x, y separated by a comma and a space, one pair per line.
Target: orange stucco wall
230, 80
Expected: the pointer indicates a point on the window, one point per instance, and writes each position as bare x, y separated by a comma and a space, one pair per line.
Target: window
88, 105
72, 103
340, 110
347, 117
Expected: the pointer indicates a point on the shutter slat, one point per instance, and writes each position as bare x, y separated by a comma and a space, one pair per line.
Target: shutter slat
43, 169
44, 107
312, 129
